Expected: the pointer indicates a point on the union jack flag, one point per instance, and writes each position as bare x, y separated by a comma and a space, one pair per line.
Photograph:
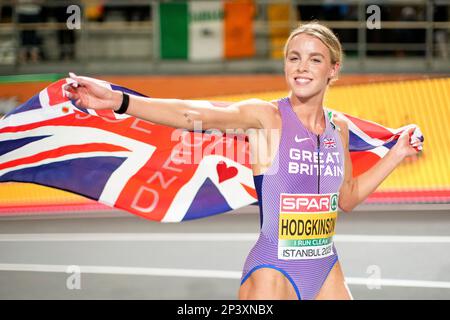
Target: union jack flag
329, 143
138, 166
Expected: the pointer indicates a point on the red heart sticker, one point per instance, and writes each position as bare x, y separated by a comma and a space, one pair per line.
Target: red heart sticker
225, 172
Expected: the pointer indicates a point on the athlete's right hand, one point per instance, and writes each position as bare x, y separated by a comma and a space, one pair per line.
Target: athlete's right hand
87, 93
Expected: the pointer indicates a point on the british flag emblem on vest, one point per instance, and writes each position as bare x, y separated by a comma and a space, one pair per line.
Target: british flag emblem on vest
329, 143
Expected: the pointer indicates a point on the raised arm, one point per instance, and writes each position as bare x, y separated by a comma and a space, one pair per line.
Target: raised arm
355, 190
172, 112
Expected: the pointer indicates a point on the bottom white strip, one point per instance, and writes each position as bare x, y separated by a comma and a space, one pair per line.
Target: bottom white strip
199, 273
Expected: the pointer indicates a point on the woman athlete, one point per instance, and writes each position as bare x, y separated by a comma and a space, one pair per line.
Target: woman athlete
305, 176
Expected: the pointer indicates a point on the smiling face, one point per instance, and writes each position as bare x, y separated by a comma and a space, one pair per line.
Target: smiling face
308, 66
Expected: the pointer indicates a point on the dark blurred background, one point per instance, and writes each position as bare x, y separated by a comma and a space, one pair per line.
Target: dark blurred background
132, 36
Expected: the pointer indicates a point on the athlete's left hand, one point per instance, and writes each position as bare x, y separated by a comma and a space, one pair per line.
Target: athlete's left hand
404, 147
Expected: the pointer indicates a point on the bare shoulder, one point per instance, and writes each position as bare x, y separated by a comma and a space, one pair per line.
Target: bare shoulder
341, 123
342, 127
258, 104
266, 112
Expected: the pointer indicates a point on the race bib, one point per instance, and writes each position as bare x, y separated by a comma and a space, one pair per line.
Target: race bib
306, 225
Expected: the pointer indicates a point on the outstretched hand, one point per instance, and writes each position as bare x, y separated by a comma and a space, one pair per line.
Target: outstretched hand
404, 147
88, 93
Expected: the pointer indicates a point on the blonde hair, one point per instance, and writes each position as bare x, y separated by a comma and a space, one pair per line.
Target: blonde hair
322, 33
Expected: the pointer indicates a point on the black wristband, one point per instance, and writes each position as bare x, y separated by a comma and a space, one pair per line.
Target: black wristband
125, 102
